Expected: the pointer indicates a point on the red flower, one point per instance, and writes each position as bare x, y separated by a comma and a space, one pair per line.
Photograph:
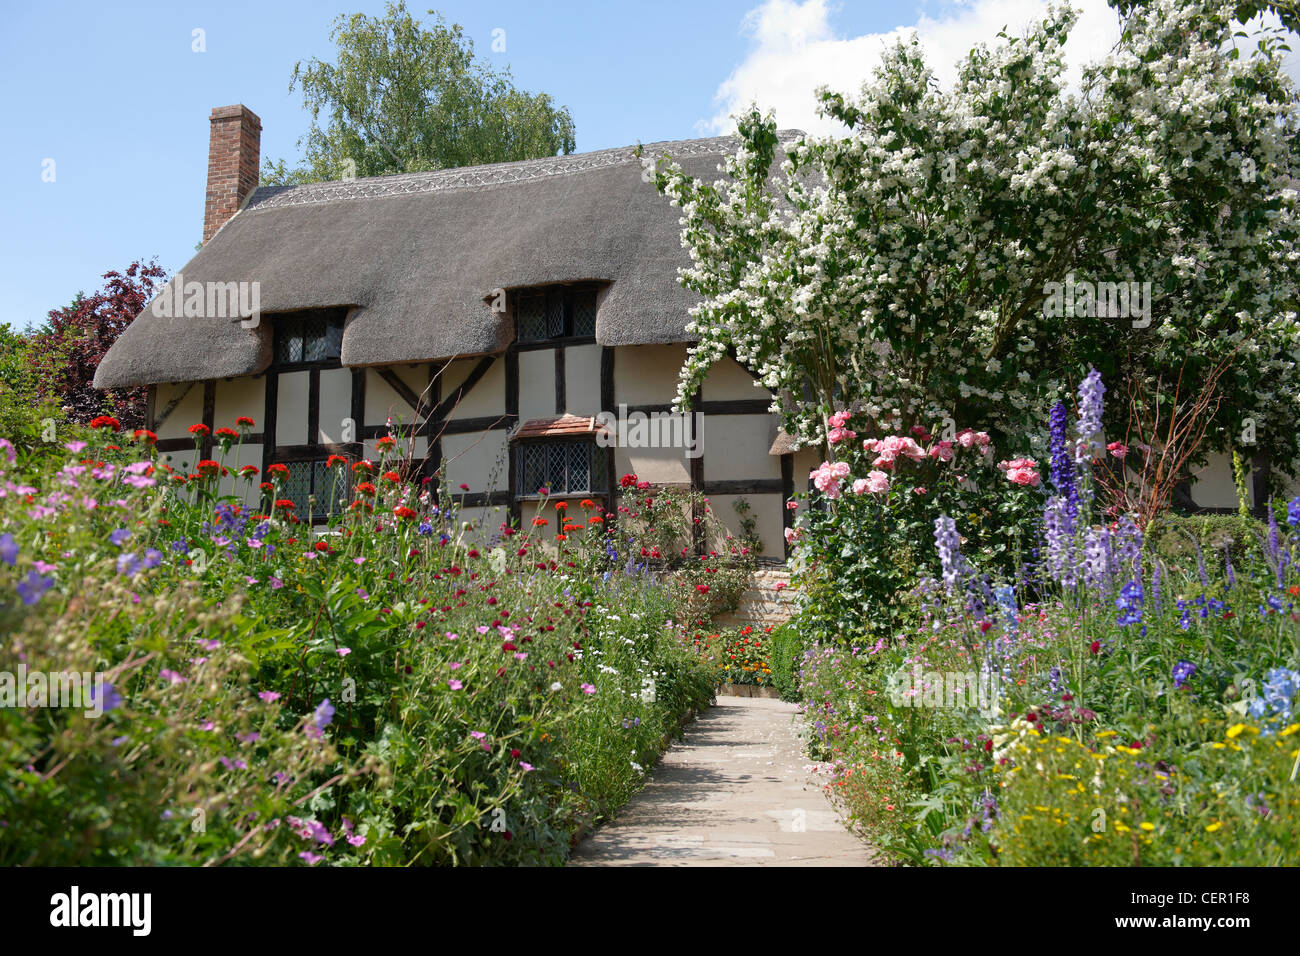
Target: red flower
144, 435
702, 588
266, 486
199, 429
365, 488
627, 481
402, 511
106, 421
365, 464
229, 433
392, 476
388, 441
464, 487
595, 519
243, 421
539, 522
321, 546
1095, 647
515, 753
586, 504
207, 468
333, 460
279, 470
561, 505
284, 504
248, 470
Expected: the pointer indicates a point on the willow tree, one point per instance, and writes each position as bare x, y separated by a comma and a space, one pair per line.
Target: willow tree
960, 253
404, 97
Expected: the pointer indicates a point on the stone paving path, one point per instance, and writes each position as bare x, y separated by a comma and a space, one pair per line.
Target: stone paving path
736, 791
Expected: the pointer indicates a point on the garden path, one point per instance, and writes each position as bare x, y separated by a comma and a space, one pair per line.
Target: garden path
736, 791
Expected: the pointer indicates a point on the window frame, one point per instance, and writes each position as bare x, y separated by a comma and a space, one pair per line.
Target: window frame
319, 517
290, 322
596, 454
567, 295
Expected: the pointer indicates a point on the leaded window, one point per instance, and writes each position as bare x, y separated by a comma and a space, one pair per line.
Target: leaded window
331, 487
562, 468
560, 312
309, 337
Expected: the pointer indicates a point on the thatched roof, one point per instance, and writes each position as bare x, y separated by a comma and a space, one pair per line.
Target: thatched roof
417, 257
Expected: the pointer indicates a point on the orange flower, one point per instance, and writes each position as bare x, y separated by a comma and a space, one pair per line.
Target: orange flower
595, 519
586, 504
561, 505
540, 522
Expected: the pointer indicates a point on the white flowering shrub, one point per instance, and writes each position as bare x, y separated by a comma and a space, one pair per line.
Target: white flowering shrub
966, 254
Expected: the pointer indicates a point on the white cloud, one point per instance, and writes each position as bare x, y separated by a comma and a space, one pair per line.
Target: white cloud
795, 49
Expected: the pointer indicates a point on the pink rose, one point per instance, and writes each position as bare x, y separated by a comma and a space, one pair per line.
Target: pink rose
839, 419
877, 481
1118, 449
1023, 476
942, 451
859, 486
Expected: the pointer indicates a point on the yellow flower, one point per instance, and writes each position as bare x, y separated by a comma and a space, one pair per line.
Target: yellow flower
1235, 730
1210, 828
1147, 826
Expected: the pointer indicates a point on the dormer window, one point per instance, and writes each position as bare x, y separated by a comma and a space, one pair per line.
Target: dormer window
309, 338
558, 312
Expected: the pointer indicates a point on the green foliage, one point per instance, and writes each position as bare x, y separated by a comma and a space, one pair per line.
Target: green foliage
786, 647
403, 97
1175, 538
422, 690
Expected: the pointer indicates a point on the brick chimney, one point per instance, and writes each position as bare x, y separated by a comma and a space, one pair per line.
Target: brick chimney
234, 154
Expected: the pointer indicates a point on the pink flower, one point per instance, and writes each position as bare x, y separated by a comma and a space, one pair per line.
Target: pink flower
1023, 476
1017, 463
344, 651
839, 419
269, 696
876, 482
455, 684
525, 766
859, 486
781, 585
942, 451
588, 688
827, 477
837, 435
791, 535
1117, 449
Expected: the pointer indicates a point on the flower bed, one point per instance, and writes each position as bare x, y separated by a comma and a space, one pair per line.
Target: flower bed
1107, 704
402, 688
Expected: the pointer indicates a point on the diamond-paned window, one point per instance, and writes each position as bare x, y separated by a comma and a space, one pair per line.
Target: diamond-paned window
309, 337
563, 468
560, 312
331, 486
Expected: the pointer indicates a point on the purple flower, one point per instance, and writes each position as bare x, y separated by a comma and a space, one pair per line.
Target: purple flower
152, 558
1182, 671
320, 833
8, 447
171, 676
276, 583
128, 564
1293, 511
8, 549
269, 696
361, 593
110, 699
33, 587
1062, 471
321, 717
311, 858
948, 543
1091, 406
120, 537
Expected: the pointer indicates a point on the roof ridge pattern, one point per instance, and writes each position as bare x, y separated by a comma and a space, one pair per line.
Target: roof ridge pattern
493, 174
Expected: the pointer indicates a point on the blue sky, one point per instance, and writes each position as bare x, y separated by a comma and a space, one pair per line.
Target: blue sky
117, 98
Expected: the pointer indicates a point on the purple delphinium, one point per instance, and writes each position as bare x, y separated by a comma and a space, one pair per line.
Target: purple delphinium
1227, 564
1129, 544
1293, 511
1061, 564
1062, 468
1200, 565
1274, 538
1129, 604
1157, 575
1098, 562
948, 543
1091, 406
8, 549
1182, 671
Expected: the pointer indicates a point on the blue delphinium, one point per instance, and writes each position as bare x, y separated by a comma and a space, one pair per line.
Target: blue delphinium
1293, 511
1276, 701
1129, 604
1062, 467
1182, 672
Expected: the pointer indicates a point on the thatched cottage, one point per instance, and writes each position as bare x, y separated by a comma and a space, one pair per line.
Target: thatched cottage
492, 313
489, 315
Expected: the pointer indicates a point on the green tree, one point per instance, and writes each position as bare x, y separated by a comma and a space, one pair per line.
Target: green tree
407, 97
